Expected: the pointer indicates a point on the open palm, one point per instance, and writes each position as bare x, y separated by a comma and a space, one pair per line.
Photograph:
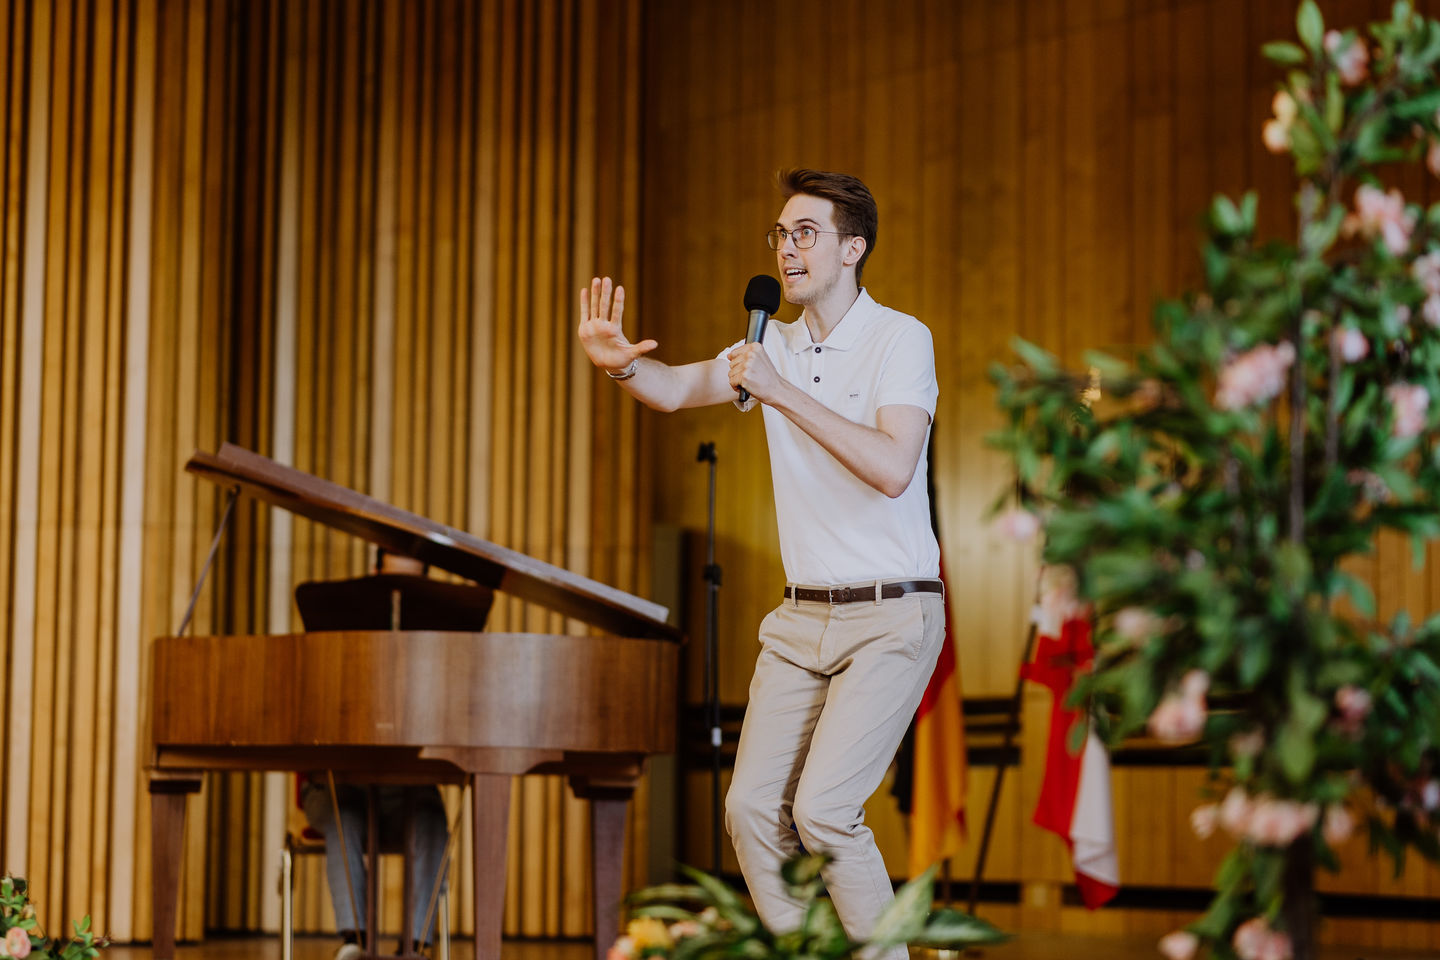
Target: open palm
600, 327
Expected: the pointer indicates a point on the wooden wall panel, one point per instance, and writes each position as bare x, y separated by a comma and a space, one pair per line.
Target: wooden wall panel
1041, 168
348, 236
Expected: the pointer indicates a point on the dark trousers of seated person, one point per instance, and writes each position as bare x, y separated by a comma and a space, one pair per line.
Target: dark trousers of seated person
431, 832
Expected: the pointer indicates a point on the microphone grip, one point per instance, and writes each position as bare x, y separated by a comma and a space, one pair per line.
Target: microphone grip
754, 333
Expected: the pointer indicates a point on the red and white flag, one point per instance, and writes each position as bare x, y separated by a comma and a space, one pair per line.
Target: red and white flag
1075, 793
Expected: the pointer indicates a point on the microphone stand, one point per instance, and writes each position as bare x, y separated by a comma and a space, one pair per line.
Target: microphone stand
712, 666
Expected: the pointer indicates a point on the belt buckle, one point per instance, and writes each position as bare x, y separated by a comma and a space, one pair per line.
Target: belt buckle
839, 594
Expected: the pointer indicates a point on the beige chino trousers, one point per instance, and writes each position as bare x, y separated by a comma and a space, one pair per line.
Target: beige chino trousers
834, 689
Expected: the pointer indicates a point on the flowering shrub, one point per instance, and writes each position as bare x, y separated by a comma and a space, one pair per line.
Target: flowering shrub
1205, 510
706, 919
23, 936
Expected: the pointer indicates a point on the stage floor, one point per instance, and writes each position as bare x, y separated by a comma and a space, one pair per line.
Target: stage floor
1035, 946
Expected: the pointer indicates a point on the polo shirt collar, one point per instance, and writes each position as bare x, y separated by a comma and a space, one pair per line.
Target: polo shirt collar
846, 333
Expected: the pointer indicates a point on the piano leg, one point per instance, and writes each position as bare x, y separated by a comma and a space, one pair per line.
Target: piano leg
490, 807
609, 805
167, 837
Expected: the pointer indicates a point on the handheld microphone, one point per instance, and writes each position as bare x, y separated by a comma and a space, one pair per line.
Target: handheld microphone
762, 298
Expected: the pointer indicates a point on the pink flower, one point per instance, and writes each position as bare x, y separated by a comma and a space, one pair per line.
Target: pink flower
1235, 812
1426, 271
1137, 624
1283, 106
1017, 524
1250, 938
1276, 132
1411, 404
1254, 940
1430, 796
1353, 702
622, 949
1248, 744
1149, 394
1180, 945
1337, 825
17, 942
1373, 488
1180, 717
1203, 820
1276, 823
1384, 215
1351, 58
1276, 136
1432, 157
1430, 310
1349, 344
686, 928
1177, 719
1194, 685
1255, 376
1278, 947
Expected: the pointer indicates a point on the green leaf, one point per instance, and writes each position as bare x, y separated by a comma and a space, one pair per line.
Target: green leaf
727, 901
1224, 217
1422, 107
664, 911
1310, 25
1268, 872
1111, 368
905, 917
692, 948
802, 869
1249, 205
1216, 922
1297, 754
670, 892
1292, 568
1254, 660
1284, 53
1295, 742
948, 928
1041, 361
823, 928
802, 875
1334, 102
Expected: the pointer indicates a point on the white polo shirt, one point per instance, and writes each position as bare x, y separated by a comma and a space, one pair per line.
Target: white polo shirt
834, 527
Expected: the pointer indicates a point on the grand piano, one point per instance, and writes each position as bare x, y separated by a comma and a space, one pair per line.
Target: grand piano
431, 705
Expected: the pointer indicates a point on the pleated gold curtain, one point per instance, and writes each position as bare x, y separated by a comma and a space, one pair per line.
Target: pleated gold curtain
346, 235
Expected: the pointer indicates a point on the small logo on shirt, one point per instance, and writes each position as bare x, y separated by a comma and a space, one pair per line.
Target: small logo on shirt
854, 396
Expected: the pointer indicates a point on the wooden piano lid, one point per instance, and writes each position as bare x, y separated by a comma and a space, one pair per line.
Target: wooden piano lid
402, 532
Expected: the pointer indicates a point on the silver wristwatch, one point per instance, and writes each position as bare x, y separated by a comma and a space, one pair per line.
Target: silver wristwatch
627, 373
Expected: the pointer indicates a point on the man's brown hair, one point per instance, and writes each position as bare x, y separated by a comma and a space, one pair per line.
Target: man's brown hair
855, 211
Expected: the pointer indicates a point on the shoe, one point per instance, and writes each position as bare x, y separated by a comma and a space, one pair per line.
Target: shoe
348, 951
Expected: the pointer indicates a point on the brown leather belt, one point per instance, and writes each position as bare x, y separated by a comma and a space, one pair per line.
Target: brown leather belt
888, 591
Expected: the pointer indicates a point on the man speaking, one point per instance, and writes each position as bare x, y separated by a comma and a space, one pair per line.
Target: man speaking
847, 393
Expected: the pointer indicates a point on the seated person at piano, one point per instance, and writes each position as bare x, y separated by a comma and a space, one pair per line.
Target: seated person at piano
347, 891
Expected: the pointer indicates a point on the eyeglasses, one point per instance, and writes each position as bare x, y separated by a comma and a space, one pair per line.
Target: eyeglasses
804, 237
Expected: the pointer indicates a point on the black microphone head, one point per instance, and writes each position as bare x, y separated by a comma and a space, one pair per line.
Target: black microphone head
763, 293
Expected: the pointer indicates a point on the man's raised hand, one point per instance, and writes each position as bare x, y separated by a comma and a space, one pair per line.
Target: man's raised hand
600, 331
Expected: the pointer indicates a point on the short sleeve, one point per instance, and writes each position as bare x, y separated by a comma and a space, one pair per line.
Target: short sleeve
908, 375
725, 355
